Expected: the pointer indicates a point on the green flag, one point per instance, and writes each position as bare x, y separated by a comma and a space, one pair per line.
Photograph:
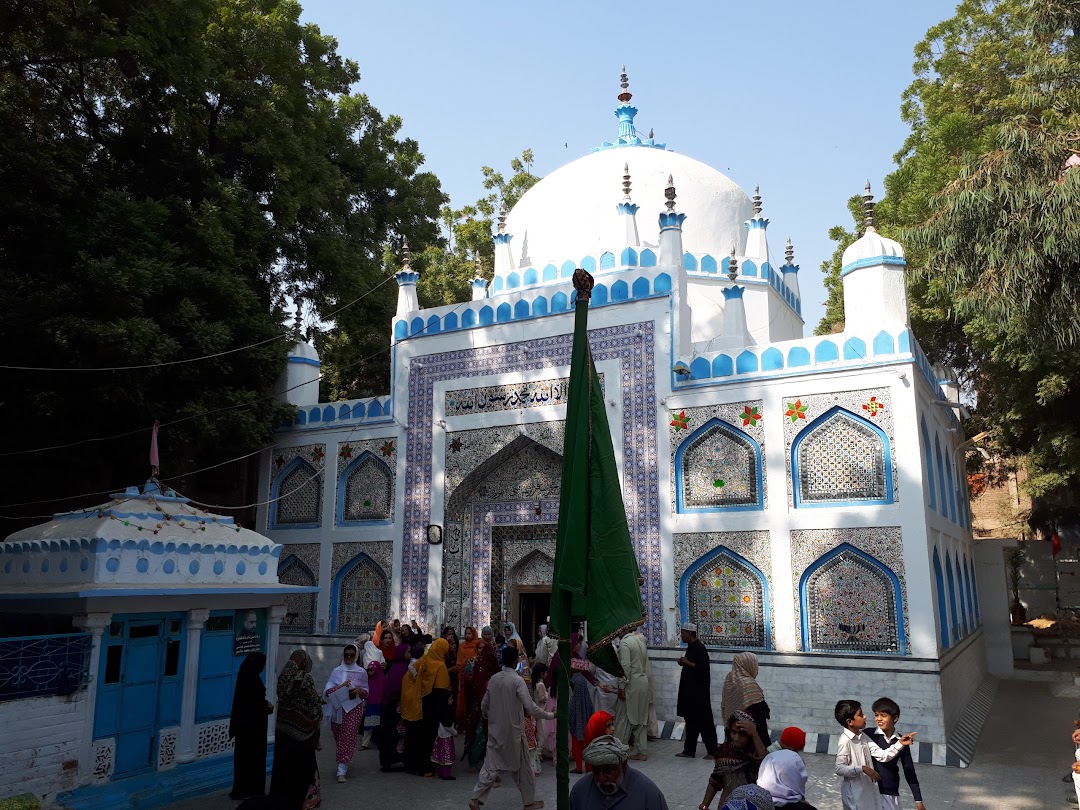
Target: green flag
594, 558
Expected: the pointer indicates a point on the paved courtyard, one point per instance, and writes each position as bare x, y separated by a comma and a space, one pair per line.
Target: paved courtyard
1022, 754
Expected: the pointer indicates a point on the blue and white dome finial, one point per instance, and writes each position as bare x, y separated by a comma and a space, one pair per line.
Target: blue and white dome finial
624, 83
790, 271
406, 278
757, 246
869, 217
504, 258
478, 283
625, 112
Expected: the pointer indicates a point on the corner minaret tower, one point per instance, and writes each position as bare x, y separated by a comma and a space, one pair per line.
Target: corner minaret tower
627, 210
734, 334
791, 276
757, 247
479, 283
872, 270
671, 261
406, 278
504, 259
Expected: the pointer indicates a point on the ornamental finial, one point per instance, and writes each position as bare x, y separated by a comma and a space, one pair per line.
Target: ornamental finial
733, 266
583, 283
298, 319
406, 256
789, 252
624, 83
757, 201
502, 217
669, 194
869, 219
650, 133
479, 267
626, 181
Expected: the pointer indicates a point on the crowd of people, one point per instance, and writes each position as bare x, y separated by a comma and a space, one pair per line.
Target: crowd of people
413, 696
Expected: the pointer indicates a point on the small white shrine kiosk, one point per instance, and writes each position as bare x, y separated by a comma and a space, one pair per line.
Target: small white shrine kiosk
123, 627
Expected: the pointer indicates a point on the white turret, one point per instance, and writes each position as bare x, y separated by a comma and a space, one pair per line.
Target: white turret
671, 253
628, 211
791, 271
757, 247
504, 258
406, 278
734, 334
298, 383
872, 269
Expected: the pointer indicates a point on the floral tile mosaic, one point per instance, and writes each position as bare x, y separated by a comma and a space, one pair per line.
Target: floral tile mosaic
845, 462
513, 397
299, 607
385, 449
362, 596
718, 468
847, 592
630, 344
467, 450
721, 583
302, 501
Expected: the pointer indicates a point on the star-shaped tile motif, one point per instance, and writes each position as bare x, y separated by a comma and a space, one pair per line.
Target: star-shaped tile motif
455, 445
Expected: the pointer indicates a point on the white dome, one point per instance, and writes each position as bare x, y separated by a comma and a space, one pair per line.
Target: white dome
872, 245
304, 350
571, 213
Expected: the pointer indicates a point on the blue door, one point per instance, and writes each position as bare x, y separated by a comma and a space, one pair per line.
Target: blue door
136, 721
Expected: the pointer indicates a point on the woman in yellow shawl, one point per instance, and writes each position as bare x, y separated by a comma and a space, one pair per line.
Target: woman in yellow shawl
425, 693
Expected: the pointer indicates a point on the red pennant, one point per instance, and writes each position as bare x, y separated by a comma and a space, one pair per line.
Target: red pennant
1055, 544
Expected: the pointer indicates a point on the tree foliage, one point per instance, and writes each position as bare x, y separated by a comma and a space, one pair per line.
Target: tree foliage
166, 170
989, 214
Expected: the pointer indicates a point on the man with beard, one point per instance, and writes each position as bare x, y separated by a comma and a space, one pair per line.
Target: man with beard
613, 783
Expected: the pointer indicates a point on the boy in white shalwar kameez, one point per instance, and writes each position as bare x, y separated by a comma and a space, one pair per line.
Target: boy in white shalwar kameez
854, 758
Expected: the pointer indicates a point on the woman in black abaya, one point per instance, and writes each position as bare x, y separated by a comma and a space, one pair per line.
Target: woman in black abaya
250, 710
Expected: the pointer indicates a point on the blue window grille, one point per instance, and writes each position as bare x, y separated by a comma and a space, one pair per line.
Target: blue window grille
36, 666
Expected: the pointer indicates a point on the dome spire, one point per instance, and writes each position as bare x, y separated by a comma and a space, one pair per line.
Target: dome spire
869, 218
757, 201
502, 217
628, 210
669, 194
624, 83
406, 278
626, 181
406, 254
733, 265
789, 252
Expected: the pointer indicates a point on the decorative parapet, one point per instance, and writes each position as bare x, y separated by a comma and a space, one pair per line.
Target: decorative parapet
353, 411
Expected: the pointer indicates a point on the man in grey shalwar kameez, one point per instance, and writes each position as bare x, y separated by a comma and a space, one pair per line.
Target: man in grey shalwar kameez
613, 784
504, 705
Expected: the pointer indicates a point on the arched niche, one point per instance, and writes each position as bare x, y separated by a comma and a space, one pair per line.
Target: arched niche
728, 598
365, 491
841, 458
718, 467
299, 607
296, 495
360, 596
851, 602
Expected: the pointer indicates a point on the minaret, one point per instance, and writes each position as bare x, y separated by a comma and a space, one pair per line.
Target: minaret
406, 278
671, 262
627, 210
504, 259
734, 334
872, 270
626, 111
298, 383
791, 272
479, 283
757, 247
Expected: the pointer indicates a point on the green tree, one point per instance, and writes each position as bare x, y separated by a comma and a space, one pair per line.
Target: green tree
166, 170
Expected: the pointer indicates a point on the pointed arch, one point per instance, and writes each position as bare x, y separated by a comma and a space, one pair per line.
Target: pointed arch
943, 507
975, 593
841, 458
718, 452
299, 607
950, 579
365, 491
535, 568
928, 462
951, 484
360, 596
296, 493
727, 596
942, 608
851, 602
961, 580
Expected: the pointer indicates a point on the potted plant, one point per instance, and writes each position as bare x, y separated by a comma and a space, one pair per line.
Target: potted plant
1015, 559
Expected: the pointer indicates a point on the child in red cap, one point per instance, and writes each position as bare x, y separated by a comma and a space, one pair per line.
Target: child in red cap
792, 738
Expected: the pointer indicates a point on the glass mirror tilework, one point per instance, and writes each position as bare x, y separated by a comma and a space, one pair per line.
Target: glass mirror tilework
719, 468
851, 604
841, 459
302, 501
368, 491
726, 601
362, 598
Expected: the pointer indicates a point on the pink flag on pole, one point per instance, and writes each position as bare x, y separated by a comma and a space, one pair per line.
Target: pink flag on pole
155, 461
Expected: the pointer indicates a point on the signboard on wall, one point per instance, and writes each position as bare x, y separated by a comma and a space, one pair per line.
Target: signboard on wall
246, 637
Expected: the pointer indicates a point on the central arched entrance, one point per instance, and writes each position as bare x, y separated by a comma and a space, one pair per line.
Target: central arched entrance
500, 539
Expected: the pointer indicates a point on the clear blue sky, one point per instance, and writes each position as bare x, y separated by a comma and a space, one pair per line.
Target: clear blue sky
802, 98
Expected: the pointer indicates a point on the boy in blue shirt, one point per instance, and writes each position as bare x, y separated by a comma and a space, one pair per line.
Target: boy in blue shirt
886, 713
